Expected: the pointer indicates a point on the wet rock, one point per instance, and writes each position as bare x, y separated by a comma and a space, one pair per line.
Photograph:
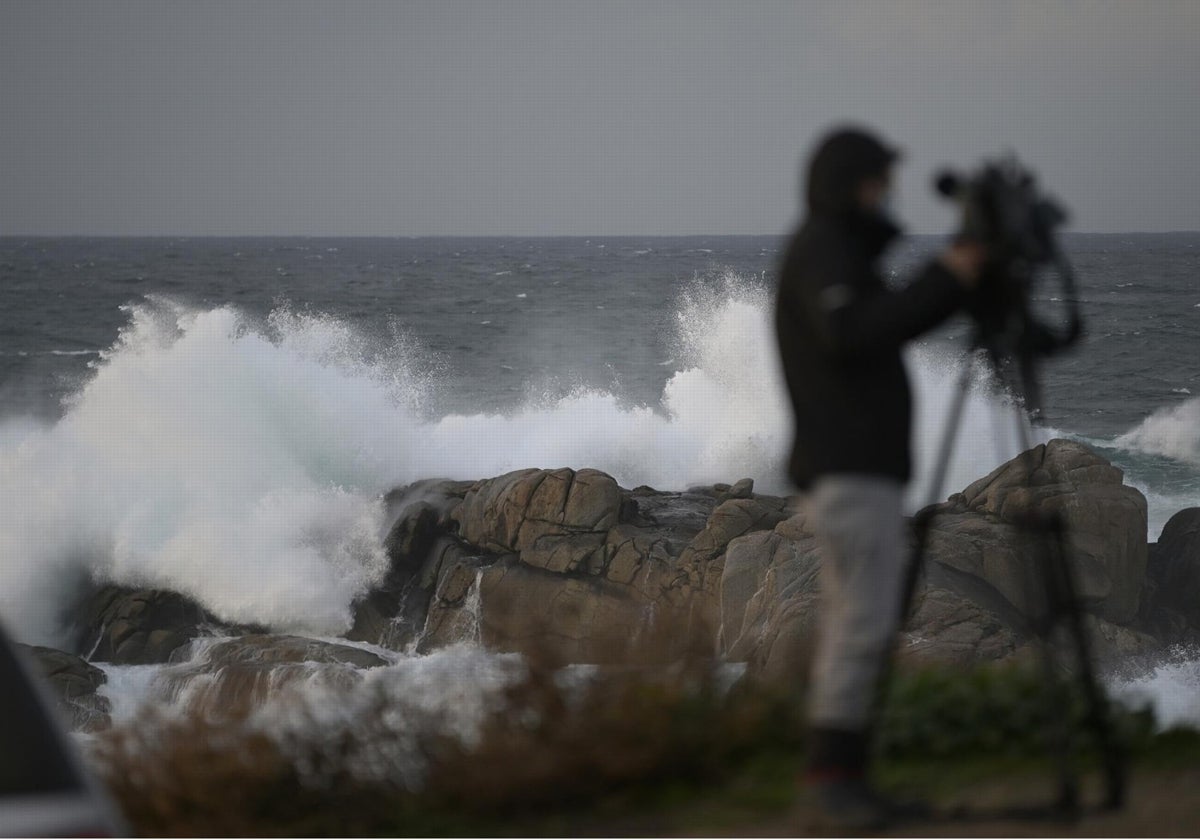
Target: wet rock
268, 649
141, 626
678, 517
74, 684
441, 495
419, 541
235, 676
453, 615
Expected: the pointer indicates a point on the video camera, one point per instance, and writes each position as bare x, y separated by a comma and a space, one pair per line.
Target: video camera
1003, 210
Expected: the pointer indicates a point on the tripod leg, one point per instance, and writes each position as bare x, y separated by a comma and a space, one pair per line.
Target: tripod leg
1068, 783
923, 520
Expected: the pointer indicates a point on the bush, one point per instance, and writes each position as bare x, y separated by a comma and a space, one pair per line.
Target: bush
634, 737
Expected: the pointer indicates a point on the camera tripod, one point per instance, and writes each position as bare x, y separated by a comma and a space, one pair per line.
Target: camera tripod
1060, 607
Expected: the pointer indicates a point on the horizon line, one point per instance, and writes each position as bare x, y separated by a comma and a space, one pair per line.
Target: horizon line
515, 235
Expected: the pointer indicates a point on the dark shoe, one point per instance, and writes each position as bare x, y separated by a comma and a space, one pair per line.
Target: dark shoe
850, 803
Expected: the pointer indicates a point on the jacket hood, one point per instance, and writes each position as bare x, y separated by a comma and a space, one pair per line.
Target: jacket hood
842, 160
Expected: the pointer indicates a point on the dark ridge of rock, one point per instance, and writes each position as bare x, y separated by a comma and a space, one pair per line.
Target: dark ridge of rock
142, 626
73, 683
442, 495
949, 628
395, 615
1173, 576
421, 536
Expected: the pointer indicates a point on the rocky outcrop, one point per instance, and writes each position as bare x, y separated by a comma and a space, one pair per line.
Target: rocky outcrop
982, 591
556, 520
573, 567
979, 531
769, 595
74, 685
566, 565
418, 544
1173, 605
141, 626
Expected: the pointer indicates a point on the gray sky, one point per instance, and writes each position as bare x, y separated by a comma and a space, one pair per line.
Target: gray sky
547, 118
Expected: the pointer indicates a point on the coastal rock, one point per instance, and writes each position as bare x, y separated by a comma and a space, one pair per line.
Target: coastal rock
571, 566
1174, 574
419, 541
948, 628
140, 626
701, 564
74, 684
553, 519
233, 676
269, 649
567, 619
769, 596
978, 531
979, 591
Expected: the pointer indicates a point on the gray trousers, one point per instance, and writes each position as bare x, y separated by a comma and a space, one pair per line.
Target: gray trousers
859, 525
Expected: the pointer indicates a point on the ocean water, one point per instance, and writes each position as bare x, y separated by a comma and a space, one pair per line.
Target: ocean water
220, 416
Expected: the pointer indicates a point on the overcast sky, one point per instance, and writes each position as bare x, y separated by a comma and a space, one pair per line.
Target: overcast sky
593, 117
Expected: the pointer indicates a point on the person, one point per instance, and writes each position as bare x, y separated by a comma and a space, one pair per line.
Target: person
840, 331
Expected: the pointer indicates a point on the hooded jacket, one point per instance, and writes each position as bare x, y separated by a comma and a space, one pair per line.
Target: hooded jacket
840, 328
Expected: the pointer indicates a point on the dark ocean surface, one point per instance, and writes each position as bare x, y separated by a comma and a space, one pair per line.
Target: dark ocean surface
502, 316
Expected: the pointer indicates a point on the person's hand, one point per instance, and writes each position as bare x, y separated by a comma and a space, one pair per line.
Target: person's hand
965, 259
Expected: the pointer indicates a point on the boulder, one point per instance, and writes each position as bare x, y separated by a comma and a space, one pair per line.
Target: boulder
555, 520
1174, 574
568, 619
74, 685
979, 530
979, 592
140, 626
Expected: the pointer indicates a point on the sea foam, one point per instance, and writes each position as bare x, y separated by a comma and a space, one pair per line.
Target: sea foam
241, 462
1173, 431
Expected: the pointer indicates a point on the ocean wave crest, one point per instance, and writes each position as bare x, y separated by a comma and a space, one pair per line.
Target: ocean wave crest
1173, 432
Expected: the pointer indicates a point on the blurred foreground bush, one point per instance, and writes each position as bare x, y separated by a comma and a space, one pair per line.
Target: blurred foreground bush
635, 736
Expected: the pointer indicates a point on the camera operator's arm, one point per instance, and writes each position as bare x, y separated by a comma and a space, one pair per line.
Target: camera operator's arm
857, 324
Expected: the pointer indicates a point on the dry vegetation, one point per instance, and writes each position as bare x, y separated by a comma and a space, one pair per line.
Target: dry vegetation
550, 759
545, 749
